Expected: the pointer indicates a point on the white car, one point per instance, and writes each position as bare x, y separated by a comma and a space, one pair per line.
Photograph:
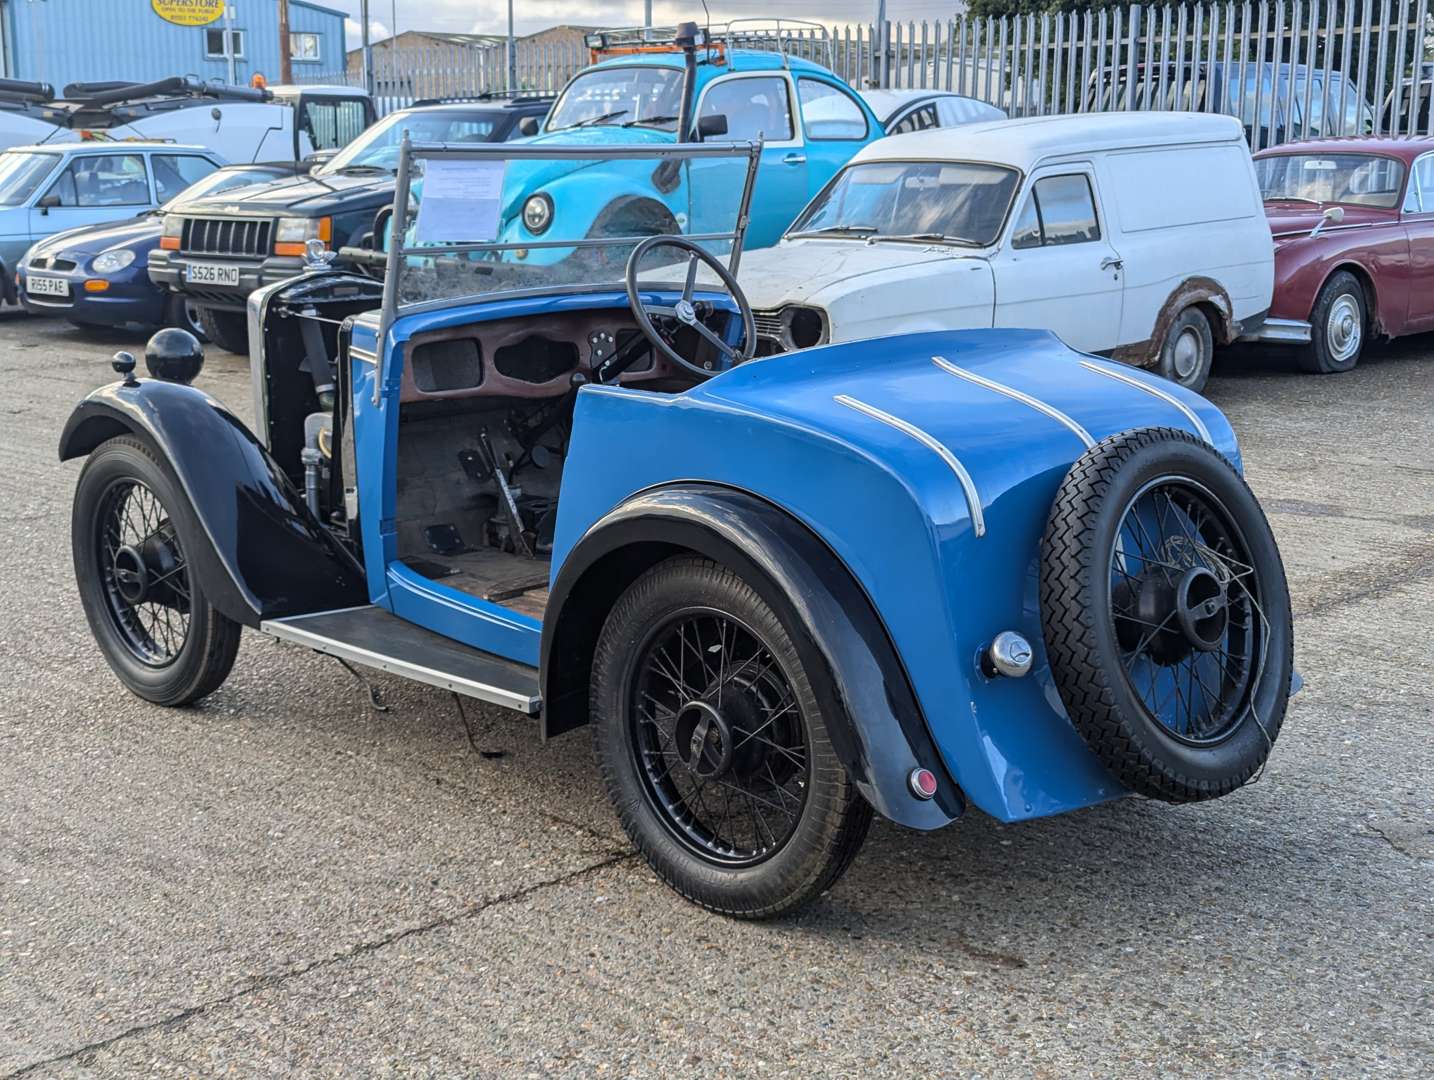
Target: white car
904, 111
1138, 235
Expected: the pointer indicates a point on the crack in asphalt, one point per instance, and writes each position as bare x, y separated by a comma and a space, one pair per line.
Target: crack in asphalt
1355, 586
363, 948
1407, 844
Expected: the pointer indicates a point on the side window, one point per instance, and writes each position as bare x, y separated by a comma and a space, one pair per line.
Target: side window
829, 112
103, 180
916, 120
1028, 225
1060, 210
1419, 199
175, 172
331, 124
752, 106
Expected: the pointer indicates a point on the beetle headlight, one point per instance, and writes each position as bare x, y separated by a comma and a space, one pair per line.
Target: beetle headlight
537, 214
110, 262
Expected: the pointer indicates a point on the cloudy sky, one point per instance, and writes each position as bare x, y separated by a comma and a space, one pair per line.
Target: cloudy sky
491, 16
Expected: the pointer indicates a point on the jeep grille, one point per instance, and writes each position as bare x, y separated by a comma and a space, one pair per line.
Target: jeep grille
226, 236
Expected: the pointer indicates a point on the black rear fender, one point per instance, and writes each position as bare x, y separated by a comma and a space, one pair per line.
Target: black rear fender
267, 556
871, 713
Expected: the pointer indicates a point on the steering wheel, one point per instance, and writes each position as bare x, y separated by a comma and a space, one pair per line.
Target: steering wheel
684, 312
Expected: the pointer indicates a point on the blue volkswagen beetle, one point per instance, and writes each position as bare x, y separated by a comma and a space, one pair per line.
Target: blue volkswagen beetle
694, 85
905, 576
97, 275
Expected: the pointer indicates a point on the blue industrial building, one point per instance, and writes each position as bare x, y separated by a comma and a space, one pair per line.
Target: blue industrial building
66, 41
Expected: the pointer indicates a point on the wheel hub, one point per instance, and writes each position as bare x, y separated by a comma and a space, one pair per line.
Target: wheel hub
1343, 329
1173, 619
704, 740
1202, 609
131, 575
1187, 353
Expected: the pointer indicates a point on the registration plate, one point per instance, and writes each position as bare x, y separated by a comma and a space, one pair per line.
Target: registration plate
38, 285
211, 274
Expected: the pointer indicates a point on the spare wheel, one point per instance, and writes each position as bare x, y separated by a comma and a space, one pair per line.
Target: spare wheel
1166, 615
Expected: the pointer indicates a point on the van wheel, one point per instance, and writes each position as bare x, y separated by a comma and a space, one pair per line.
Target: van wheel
1188, 350
1337, 326
227, 329
713, 748
132, 532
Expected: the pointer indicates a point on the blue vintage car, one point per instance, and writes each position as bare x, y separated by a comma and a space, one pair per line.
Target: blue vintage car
693, 85
903, 576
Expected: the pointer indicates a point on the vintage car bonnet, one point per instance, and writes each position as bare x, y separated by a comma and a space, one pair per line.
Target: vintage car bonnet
822, 271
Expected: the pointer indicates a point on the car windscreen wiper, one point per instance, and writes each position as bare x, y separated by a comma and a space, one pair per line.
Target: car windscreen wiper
1291, 198
837, 230
646, 120
925, 237
591, 120
361, 168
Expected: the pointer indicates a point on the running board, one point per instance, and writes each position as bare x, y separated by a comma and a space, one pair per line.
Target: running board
375, 638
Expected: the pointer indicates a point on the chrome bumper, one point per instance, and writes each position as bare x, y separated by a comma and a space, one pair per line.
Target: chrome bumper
1280, 331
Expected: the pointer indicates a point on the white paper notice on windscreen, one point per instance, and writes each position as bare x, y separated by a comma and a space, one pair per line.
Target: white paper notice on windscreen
461, 203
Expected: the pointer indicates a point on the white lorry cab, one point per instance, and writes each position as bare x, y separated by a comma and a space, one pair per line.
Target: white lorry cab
1140, 236
240, 124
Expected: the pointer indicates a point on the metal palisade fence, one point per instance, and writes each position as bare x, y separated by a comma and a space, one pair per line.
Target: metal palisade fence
1287, 71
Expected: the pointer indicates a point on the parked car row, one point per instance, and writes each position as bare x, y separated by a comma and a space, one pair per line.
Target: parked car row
1146, 236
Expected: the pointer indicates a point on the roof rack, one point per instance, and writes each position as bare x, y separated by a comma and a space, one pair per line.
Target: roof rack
22, 92
110, 104
775, 35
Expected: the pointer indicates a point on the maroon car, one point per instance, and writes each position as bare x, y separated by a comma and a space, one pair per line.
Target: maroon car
1353, 222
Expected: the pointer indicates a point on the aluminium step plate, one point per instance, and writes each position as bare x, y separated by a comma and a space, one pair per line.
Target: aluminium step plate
376, 638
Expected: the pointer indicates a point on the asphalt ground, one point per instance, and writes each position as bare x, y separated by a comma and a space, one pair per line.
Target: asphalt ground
285, 881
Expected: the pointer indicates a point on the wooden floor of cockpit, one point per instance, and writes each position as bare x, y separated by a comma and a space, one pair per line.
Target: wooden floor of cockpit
513, 581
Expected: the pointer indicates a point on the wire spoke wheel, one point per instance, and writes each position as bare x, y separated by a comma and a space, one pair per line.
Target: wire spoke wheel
144, 573
1166, 615
719, 738
1185, 602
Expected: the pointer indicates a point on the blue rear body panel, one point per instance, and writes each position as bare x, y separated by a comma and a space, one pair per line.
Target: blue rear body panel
886, 504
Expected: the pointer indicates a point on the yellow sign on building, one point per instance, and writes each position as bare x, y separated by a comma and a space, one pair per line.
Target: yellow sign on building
188, 12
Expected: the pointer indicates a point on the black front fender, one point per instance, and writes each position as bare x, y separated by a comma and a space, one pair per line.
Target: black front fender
872, 716
267, 556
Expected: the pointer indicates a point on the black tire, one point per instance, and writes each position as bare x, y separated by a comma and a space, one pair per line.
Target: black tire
1096, 615
728, 866
1188, 351
186, 315
138, 638
227, 329
1339, 324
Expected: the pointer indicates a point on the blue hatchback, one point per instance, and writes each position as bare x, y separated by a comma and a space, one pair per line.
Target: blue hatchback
98, 275
694, 87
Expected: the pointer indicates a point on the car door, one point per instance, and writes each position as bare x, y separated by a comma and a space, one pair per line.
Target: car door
90, 190
1056, 269
836, 126
757, 103
1417, 216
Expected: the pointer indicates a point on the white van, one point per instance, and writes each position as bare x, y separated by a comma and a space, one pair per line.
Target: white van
1141, 236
